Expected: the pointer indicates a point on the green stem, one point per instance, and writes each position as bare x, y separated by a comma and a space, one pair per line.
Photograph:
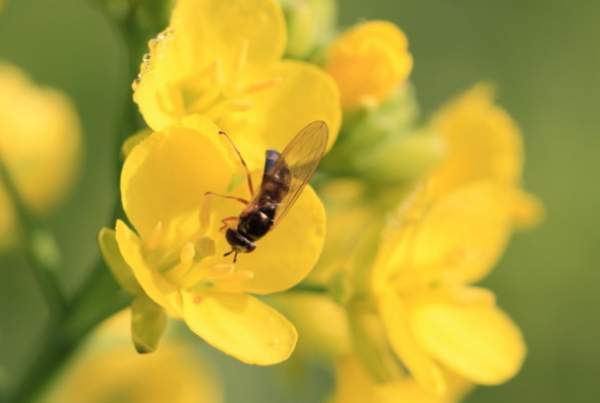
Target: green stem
40, 248
310, 288
99, 298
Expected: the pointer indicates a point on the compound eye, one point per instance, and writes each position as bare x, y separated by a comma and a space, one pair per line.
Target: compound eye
238, 241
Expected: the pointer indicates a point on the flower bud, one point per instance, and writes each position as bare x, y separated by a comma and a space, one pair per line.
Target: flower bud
369, 62
40, 140
310, 24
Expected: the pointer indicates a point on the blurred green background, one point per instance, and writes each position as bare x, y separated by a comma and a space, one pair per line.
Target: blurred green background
542, 54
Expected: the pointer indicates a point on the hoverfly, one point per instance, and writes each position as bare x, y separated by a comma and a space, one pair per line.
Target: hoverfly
285, 176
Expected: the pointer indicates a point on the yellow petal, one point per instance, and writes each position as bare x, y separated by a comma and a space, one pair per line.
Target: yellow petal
154, 284
461, 236
304, 95
241, 326
286, 254
396, 240
165, 178
354, 386
482, 139
406, 345
202, 31
148, 323
119, 268
477, 341
528, 210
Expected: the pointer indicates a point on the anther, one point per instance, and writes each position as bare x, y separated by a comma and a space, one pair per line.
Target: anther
217, 73
239, 105
262, 85
187, 253
205, 247
241, 56
220, 271
155, 237
237, 277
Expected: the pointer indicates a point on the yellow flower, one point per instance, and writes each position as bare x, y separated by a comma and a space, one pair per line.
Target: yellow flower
107, 371
430, 252
446, 236
369, 62
176, 255
355, 386
223, 60
483, 143
40, 142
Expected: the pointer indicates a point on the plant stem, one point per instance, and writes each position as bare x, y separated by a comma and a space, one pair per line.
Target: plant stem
99, 298
37, 240
310, 288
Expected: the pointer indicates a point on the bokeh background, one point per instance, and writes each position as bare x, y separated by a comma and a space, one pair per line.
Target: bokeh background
545, 59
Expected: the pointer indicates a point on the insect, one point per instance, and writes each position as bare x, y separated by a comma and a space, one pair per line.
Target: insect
285, 176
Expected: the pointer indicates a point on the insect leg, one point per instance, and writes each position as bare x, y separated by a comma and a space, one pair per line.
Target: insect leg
224, 221
242, 160
234, 256
244, 201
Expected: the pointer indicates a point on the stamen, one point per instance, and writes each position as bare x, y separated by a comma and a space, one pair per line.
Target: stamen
239, 62
187, 253
217, 76
239, 105
205, 100
220, 271
155, 237
262, 85
237, 277
205, 247
205, 212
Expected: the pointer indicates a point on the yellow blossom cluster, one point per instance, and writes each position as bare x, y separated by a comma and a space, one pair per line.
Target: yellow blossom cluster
403, 245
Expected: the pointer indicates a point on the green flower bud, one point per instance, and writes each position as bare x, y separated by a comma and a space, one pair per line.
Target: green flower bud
385, 146
310, 26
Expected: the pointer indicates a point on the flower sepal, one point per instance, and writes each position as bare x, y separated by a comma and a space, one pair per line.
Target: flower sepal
148, 323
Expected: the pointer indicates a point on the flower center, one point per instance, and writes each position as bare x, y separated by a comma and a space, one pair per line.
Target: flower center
214, 93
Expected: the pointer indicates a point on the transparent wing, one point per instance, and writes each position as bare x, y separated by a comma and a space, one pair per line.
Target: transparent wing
301, 156
296, 164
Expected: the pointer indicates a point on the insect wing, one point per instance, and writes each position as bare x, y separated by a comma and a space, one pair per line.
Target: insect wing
301, 157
